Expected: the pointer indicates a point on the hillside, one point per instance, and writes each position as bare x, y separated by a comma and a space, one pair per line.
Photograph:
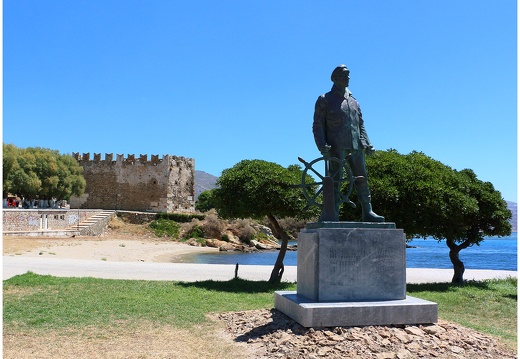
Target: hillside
203, 182
512, 207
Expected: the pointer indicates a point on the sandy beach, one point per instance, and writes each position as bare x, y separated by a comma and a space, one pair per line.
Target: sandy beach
100, 248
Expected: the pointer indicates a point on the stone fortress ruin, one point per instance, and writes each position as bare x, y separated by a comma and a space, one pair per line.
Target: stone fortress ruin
164, 184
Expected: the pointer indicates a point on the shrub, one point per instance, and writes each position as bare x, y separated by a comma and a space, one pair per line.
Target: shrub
194, 230
245, 231
213, 226
197, 232
180, 217
261, 236
115, 223
165, 228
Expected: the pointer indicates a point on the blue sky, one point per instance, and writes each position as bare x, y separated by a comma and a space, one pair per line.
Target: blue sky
223, 81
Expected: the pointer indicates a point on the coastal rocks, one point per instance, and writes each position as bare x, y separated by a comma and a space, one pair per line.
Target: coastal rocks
223, 246
232, 243
193, 242
265, 244
271, 334
227, 248
232, 237
259, 245
263, 229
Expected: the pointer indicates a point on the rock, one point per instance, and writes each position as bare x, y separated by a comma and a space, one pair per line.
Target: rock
232, 238
456, 349
245, 249
217, 243
211, 243
222, 246
324, 351
193, 242
434, 329
334, 337
264, 229
404, 354
259, 245
414, 331
402, 337
386, 355
414, 347
227, 247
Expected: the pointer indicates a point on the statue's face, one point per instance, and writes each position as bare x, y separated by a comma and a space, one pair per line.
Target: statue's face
342, 79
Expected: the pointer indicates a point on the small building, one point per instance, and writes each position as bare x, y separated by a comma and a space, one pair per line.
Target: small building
164, 184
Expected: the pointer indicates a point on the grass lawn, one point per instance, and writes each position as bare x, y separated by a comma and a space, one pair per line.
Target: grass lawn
487, 306
34, 303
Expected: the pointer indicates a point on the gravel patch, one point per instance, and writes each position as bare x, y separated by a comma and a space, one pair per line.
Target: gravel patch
271, 334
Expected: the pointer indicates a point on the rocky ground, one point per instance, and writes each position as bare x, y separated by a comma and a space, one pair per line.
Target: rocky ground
271, 334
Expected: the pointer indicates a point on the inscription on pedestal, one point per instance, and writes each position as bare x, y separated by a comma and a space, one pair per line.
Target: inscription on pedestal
342, 261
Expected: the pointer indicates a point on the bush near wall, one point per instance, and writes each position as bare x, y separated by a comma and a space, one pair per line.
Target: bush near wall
180, 217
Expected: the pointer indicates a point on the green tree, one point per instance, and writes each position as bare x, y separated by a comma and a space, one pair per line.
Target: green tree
36, 171
205, 201
257, 189
19, 176
427, 198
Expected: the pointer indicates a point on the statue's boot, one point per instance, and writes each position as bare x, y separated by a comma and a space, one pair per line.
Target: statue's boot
365, 200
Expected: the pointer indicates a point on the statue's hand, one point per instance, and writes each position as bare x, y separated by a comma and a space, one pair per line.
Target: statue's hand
325, 151
370, 150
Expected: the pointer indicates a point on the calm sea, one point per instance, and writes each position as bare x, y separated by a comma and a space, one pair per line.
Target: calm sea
493, 253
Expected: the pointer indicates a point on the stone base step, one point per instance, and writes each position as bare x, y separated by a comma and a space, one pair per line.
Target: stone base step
349, 314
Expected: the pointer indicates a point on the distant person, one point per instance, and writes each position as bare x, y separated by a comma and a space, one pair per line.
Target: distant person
339, 131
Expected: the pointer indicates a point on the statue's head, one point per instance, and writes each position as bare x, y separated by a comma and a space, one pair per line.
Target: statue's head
340, 75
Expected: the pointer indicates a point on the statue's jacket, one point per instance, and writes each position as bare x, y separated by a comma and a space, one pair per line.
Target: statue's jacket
338, 122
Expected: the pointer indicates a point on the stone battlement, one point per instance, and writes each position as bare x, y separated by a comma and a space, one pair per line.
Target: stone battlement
130, 159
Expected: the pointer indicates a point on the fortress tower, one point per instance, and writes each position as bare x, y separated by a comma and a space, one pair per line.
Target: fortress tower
164, 184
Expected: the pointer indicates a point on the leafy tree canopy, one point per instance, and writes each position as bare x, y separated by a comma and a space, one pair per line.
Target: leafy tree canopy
427, 198
257, 188
36, 171
205, 201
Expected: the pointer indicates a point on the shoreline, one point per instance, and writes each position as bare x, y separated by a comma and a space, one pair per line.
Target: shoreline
140, 257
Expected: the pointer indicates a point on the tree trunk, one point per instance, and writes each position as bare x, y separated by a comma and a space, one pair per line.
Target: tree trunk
276, 274
458, 265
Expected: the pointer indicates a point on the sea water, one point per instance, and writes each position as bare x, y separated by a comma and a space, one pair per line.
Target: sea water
493, 253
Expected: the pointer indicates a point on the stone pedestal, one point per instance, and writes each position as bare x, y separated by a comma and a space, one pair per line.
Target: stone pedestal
352, 274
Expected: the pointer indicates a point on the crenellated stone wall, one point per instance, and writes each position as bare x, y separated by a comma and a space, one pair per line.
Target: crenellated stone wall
164, 184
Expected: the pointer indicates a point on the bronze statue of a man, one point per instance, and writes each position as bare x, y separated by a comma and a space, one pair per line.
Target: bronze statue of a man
339, 131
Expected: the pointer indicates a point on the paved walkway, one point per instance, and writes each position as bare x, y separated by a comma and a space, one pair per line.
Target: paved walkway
189, 272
